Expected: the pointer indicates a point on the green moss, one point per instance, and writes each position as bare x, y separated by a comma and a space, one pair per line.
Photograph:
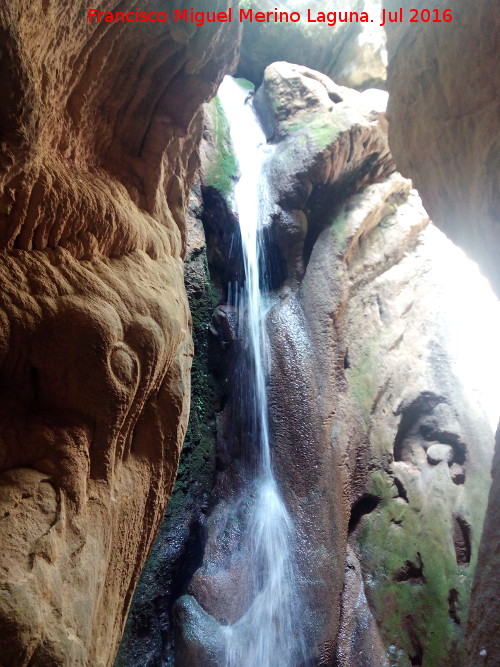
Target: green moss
321, 129
245, 84
395, 533
363, 381
223, 169
197, 458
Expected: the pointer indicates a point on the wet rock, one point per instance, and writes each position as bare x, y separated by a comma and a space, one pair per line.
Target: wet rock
368, 252
199, 638
359, 641
360, 387
332, 143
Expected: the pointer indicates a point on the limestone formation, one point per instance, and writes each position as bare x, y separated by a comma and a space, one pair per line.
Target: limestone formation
372, 432
444, 107
352, 53
444, 82
99, 126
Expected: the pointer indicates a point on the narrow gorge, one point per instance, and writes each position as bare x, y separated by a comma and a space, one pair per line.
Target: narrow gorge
249, 389
378, 412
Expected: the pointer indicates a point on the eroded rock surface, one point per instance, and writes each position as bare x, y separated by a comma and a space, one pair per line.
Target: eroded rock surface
352, 53
372, 431
444, 111
99, 126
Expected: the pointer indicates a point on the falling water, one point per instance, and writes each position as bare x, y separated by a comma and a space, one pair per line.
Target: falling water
269, 633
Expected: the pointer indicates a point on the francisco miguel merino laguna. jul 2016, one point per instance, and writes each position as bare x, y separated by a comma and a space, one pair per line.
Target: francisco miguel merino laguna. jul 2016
199, 18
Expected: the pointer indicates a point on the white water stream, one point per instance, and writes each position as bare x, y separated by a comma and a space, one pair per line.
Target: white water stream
268, 634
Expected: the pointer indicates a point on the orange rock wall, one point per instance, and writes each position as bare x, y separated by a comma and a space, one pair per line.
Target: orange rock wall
99, 126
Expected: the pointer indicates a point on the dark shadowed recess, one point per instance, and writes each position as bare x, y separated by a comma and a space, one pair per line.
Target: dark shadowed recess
325, 201
365, 505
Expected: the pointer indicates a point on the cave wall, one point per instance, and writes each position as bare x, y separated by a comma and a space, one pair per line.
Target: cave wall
99, 126
213, 260
444, 108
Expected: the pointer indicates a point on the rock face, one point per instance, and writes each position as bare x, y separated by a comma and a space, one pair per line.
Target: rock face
149, 636
312, 477
352, 53
444, 109
212, 261
373, 433
364, 343
444, 113
484, 622
99, 127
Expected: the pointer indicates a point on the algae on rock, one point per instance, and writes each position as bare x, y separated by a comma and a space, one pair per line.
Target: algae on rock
222, 168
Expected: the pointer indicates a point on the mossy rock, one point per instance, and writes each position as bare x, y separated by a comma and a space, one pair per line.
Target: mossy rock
222, 169
418, 592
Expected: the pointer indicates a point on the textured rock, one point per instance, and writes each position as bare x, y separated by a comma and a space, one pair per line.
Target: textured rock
362, 63
99, 130
361, 386
444, 81
358, 641
213, 260
345, 348
149, 634
438, 453
418, 544
310, 471
444, 109
484, 619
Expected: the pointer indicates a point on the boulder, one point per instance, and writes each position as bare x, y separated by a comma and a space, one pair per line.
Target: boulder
438, 453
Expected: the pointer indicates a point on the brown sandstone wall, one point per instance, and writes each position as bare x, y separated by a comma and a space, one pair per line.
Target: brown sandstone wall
99, 128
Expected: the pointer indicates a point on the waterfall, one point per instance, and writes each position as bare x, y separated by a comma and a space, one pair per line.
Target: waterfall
269, 633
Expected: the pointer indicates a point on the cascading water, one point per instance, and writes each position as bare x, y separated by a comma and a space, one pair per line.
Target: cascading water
269, 633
